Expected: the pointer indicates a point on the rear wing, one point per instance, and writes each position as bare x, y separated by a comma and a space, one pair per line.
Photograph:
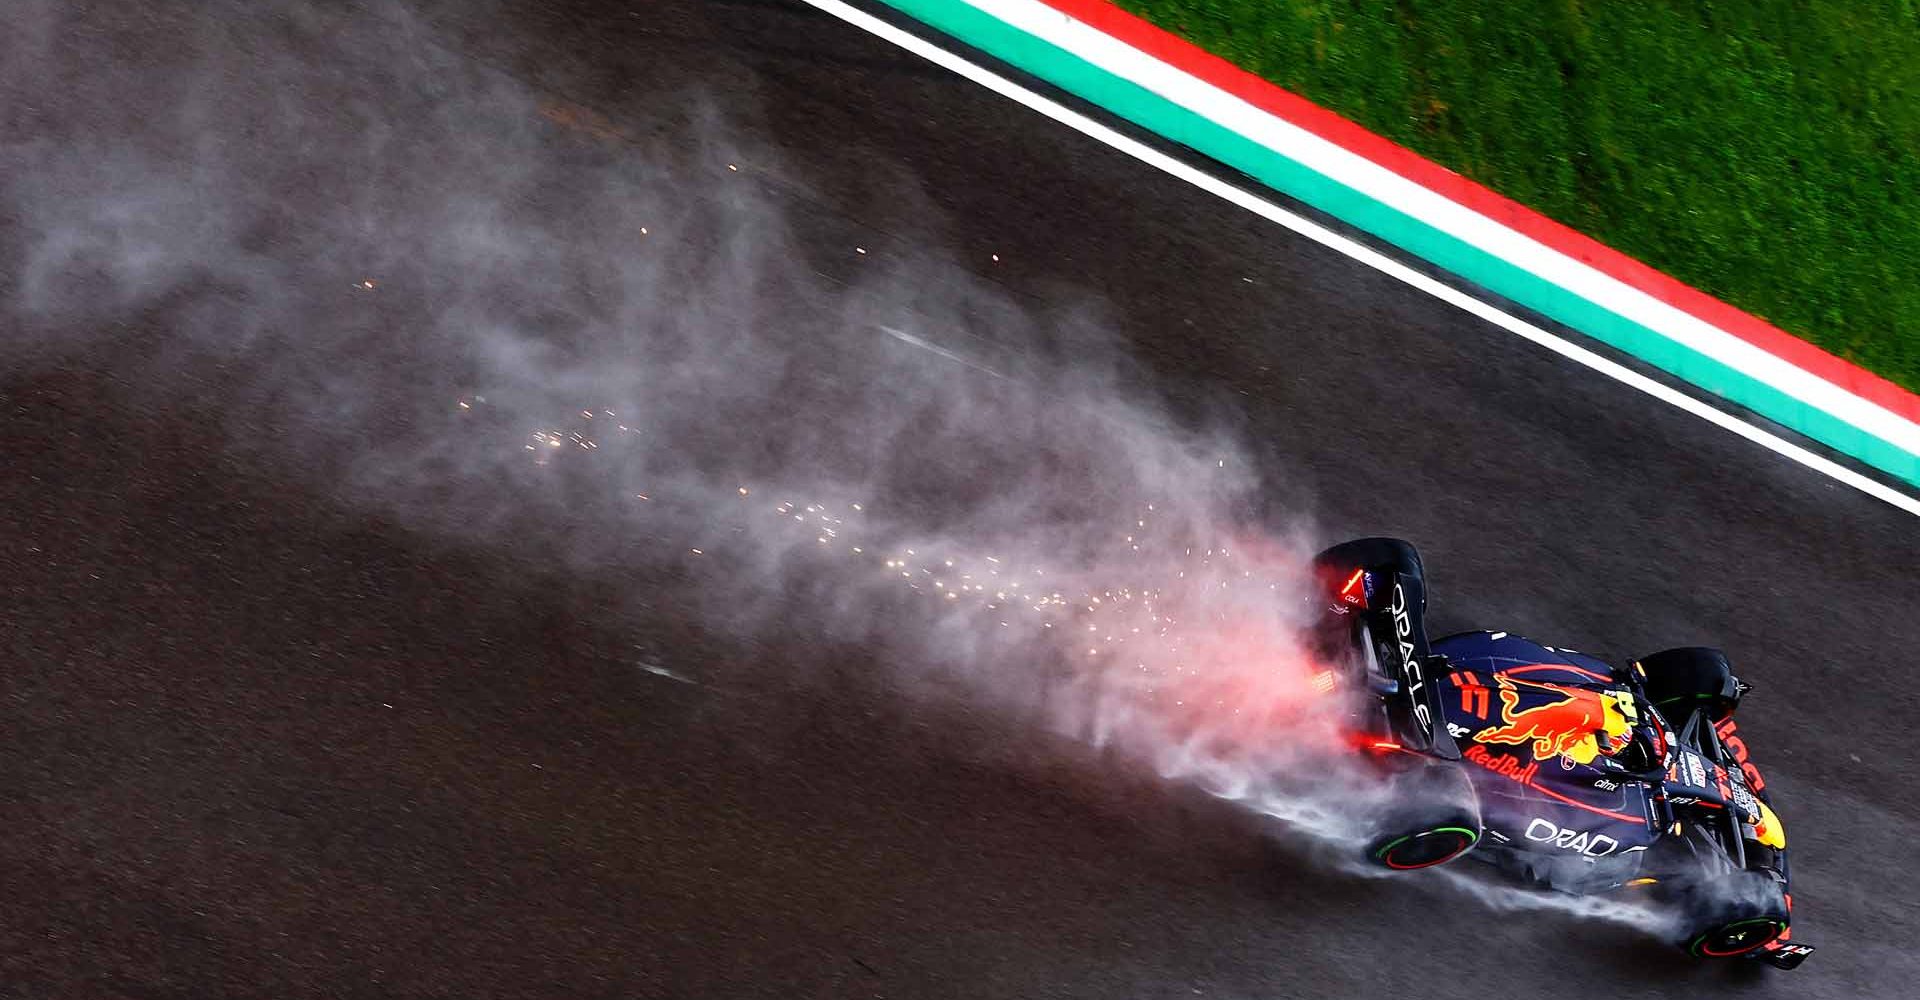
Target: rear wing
1393, 605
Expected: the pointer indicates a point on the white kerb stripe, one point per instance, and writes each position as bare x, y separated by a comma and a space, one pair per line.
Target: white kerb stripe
1387, 187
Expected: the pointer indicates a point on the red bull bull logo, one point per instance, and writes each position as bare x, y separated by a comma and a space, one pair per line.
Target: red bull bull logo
1574, 723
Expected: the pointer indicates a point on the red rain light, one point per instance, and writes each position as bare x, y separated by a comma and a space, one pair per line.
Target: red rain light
1351, 592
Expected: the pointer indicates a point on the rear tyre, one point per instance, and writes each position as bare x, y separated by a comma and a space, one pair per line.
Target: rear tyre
1678, 681
1430, 817
1425, 847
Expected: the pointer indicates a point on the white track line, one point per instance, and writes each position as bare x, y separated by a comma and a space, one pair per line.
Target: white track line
1365, 255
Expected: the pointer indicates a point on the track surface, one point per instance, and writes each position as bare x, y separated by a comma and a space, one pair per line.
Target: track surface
260, 742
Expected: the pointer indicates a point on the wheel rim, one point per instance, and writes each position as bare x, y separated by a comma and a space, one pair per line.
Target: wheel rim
1737, 938
1428, 848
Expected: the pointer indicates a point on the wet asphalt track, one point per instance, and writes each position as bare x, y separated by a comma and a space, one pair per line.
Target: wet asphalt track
258, 742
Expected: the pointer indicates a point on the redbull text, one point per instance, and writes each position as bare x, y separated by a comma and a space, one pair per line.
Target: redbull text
1502, 764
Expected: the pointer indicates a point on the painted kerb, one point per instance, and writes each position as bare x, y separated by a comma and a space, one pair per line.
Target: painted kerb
1179, 124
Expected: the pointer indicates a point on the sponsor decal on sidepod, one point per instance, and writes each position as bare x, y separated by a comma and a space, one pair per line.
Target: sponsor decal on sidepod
1593, 845
1502, 764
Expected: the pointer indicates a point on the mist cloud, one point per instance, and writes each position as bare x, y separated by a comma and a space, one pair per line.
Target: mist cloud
493, 313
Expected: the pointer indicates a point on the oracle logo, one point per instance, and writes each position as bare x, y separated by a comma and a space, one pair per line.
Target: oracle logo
1415, 670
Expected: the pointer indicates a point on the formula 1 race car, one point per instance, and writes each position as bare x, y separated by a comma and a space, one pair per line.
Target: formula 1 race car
1555, 767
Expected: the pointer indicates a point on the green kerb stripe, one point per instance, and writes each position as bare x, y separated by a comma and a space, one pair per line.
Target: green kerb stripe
1163, 117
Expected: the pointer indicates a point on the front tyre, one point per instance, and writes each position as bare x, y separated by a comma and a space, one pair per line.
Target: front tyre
1736, 937
1734, 916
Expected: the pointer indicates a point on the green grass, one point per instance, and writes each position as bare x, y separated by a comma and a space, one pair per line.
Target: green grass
1764, 151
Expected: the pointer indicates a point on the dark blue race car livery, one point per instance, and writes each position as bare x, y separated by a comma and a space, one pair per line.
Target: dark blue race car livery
1556, 767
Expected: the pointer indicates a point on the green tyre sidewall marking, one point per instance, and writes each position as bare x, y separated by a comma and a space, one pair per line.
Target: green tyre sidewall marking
1381, 854
1178, 124
1473, 837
